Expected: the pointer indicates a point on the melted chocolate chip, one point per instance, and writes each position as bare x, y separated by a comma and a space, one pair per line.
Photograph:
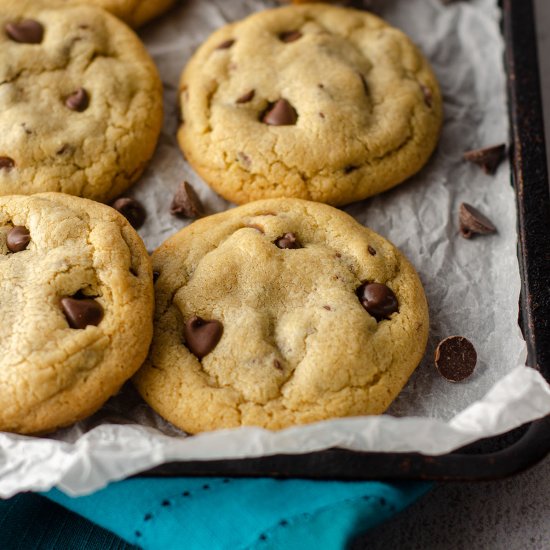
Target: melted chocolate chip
472, 221
6, 163
81, 312
225, 45
378, 299
245, 98
18, 238
132, 210
27, 31
487, 158
202, 336
290, 36
288, 240
455, 358
280, 113
78, 100
186, 203
371, 250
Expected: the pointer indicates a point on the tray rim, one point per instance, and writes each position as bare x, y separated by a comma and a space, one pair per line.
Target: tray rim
530, 180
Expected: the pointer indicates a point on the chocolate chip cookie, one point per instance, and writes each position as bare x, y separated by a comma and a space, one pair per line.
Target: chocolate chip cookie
77, 308
313, 101
134, 12
80, 101
280, 312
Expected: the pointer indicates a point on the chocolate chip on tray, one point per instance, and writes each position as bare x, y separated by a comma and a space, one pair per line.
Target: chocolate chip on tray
132, 210
18, 238
472, 221
78, 100
455, 358
186, 203
288, 240
487, 158
201, 335
27, 31
281, 113
378, 299
81, 312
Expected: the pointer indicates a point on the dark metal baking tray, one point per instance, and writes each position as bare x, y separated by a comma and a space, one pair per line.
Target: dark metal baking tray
521, 448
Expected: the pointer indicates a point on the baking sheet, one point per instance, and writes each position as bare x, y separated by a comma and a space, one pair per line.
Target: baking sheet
472, 286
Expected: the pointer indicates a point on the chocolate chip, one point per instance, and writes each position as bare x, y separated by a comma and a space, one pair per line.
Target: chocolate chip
472, 221
378, 299
202, 336
487, 158
78, 100
288, 240
290, 36
280, 113
371, 250
132, 210
455, 358
18, 238
81, 312
365, 85
156, 275
427, 93
6, 163
277, 365
186, 202
245, 98
328, 308
349, 169
27, 31
225, 45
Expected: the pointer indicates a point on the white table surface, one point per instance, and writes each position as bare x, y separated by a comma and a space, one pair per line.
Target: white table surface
513, 514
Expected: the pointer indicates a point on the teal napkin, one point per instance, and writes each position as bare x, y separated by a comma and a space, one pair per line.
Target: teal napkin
217, 513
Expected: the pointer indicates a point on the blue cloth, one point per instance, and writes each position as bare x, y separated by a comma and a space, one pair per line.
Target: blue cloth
216, 513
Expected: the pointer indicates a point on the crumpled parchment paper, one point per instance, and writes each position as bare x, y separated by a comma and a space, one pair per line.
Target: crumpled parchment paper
472, 285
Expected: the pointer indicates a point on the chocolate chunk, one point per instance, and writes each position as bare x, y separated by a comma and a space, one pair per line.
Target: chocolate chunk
245, 98
225, 45
27, 31
81, 312
18, 238
202, 336
378, 299
132, 210
487, 158
280, 113
78, 100
290, 36
427, 93
472, 221
371, 250
186, 202
288, 240
455, 358
6, 163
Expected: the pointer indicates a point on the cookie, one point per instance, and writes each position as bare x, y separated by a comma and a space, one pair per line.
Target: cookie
77, 308
315, 101
80, 101
280, 312
133, 12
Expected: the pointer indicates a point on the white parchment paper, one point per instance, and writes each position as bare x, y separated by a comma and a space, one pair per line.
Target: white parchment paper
472, 286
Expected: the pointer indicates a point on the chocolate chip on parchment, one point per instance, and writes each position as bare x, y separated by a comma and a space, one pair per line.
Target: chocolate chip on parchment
290, 36
371, 250
78, 100
6, 163
18, 238
455, 358
245, 98
288, 240
201, 335
186, 203
378, 299
225, 45
27, 31
280, 113
81, 312
472, 221
487, 158
132, 210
